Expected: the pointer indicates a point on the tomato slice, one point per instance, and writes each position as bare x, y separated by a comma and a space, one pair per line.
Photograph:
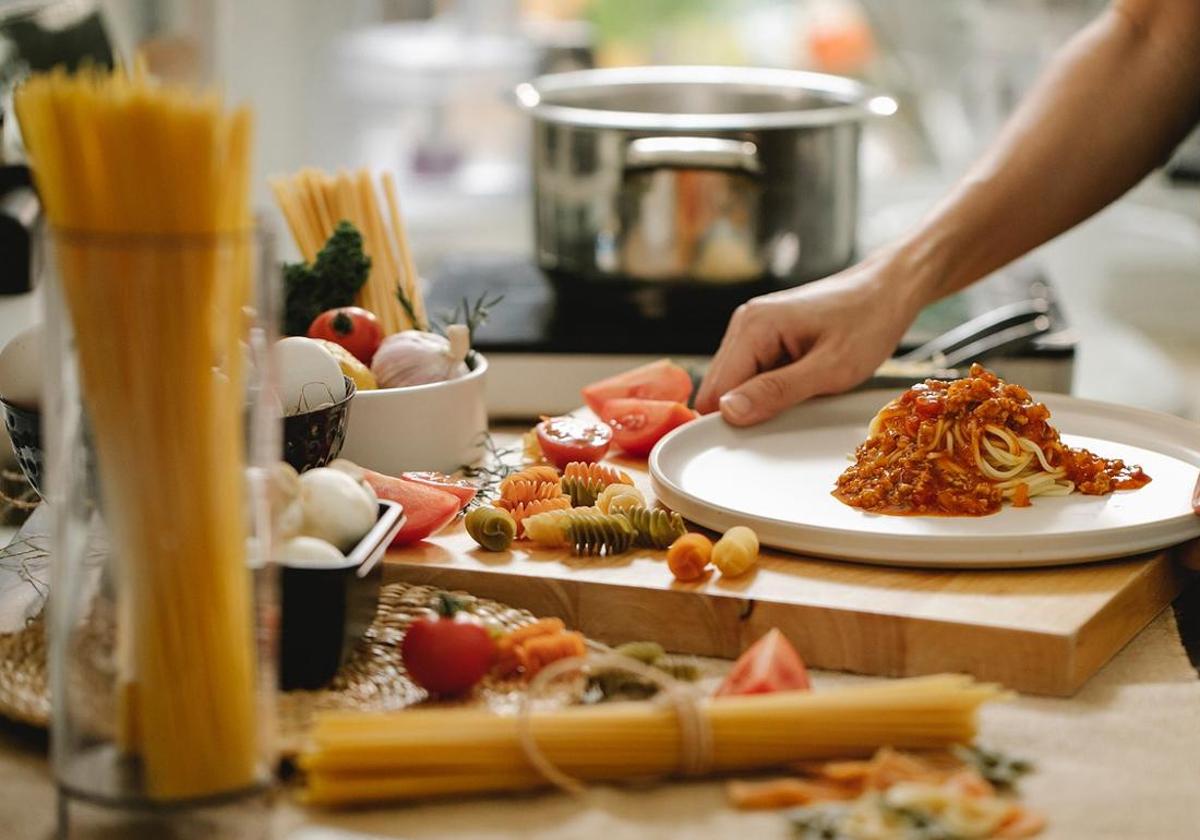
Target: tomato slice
661, 380
567, 439
770, 664
426, 509
639, 424
460, 487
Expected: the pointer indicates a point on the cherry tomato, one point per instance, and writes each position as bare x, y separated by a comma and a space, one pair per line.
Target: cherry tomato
460, 487
449, 654
770, 664
661, 380
639, 424
354, 328
567, 439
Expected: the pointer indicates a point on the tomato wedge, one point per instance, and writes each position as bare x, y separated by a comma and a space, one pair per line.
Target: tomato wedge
567, 439
661, 380
426, 509
639, 424
460, 487
770, 664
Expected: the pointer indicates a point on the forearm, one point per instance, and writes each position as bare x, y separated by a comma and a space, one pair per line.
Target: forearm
1111, 107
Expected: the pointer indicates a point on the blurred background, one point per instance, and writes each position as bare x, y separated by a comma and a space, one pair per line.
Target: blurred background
424, 88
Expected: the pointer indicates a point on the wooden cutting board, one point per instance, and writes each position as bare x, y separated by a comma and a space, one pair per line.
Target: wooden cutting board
1040, 631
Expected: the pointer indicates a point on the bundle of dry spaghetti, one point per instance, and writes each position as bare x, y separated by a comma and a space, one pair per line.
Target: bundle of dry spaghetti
147, 192
359, 757
313, 202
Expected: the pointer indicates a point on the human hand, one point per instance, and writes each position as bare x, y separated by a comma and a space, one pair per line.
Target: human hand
820, 338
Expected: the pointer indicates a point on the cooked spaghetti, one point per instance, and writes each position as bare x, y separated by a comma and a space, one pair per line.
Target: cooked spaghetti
962, 448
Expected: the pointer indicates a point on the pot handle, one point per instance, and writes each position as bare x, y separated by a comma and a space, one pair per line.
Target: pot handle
693, 153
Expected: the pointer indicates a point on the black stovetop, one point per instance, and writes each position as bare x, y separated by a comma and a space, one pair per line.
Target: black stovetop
541, 314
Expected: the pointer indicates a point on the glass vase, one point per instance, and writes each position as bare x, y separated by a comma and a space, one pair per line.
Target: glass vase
159, 424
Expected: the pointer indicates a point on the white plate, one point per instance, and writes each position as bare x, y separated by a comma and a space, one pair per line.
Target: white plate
778, 479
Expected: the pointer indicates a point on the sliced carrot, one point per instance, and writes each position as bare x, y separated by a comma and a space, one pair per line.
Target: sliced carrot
784, 793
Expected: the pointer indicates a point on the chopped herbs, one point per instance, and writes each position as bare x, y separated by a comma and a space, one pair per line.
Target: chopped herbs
1001, 770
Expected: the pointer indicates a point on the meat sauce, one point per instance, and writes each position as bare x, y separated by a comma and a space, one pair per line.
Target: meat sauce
907, 466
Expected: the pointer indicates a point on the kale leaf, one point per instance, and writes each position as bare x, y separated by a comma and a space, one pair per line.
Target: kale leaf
331, 280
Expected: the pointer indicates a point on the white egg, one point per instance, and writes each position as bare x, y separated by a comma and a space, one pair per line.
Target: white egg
21, 368
309, 375
310, 553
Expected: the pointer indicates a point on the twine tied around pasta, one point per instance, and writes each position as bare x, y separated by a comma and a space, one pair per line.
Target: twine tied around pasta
695, 733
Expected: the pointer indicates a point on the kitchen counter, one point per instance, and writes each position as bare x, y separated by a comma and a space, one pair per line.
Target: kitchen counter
1118, 760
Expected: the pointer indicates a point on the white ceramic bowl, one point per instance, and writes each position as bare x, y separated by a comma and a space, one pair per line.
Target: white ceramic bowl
423, 427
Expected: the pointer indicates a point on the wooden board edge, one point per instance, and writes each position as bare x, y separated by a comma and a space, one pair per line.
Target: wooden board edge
1116, 623
722, 625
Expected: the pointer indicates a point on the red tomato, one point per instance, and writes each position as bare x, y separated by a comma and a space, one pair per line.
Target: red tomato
460, 487
639, 424
770, 664
448, 654
426, 509
567, 439
661, 380
354, 328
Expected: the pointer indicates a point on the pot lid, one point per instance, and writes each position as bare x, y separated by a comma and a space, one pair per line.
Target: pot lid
684, 98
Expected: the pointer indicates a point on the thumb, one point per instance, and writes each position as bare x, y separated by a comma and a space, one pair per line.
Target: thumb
769, 393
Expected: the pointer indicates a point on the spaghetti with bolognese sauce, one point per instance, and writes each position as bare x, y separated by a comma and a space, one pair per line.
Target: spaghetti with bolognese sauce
962, 448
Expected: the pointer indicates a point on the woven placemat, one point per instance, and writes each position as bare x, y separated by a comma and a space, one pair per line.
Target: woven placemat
372, 679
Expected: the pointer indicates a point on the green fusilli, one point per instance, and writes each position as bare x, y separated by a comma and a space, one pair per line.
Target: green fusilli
655, 528
492, 528
592, 534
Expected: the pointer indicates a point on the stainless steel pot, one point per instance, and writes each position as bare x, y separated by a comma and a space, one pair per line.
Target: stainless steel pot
718, 175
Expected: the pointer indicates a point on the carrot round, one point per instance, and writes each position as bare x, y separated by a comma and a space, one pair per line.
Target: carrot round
688, 557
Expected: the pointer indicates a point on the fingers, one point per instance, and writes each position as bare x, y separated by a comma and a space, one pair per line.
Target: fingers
759, 337
713, 386
762, 397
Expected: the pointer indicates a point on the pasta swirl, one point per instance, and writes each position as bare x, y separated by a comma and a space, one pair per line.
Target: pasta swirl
493, 528
603, 473
583, 491
548, 529
593, 534
736, 552
539, 473
616, 498
520, 511
655, 528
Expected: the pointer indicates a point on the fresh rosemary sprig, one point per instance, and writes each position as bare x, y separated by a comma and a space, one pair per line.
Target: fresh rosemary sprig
473, 315
496, 465
407, 305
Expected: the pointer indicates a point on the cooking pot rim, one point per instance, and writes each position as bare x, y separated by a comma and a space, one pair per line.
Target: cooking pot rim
851, 100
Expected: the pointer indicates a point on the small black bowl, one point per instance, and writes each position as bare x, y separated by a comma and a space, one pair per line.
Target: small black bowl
25, 429
325, 611
315, 438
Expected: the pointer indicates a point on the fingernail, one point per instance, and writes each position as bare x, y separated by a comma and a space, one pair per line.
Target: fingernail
735, 405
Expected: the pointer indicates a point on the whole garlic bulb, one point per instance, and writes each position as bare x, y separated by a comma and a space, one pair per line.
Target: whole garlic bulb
414, 357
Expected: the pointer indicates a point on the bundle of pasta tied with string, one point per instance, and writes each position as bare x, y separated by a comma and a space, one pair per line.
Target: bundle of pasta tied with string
146, 188
356, 757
